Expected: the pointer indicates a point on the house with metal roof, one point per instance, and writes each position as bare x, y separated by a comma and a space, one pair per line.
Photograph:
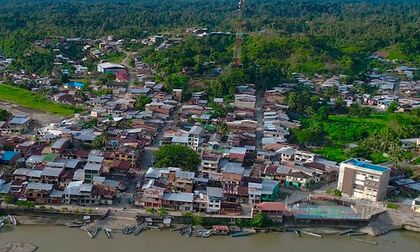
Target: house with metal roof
92, 170
178, 201
38, 192
8, 157
51, 175
17, 125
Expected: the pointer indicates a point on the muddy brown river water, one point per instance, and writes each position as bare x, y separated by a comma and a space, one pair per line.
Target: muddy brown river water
62, 239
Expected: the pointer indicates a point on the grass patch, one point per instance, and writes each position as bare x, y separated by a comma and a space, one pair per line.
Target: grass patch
342, 130
377, 158
335, 153
114, 57
395, 52
392, 205
30, 100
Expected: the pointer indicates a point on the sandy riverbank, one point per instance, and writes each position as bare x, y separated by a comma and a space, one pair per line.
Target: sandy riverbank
379, 225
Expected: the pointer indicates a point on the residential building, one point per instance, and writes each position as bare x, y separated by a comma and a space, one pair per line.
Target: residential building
178, 201
245, 101
214, 199
153, 197
92, 170
17, 125
275, 211
195, 137
210, 162
80, 193
363, 180
298, 180
38, 192
60, 145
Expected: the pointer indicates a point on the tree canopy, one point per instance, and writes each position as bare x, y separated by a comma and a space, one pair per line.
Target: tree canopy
4, 115
172, 155
141, 102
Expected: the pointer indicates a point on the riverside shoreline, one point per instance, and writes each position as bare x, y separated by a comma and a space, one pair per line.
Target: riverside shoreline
377, 226
59, 238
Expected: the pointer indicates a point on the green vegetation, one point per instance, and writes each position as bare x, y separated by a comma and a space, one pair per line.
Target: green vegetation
151, 211
28, 99
26, 204
197, 220
100, 141
392, 205
172, 155
162, 212
90, 123
282, 37
335, 153
114, 57
360, 133
4, 115
334, 192
8, 199
259, 220
392, 107
141, 101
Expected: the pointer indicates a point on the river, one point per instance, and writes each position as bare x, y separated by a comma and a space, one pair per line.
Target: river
61, 239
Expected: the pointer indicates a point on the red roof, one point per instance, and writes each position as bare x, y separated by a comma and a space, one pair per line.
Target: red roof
270, 169
271, 206
122, 76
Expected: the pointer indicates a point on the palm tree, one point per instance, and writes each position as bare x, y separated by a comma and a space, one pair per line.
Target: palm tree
101, 141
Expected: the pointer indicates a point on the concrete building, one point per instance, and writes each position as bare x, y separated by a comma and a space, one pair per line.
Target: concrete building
362, 180
195, 137
214, 199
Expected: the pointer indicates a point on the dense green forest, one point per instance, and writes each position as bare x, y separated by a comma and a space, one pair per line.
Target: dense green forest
308, 36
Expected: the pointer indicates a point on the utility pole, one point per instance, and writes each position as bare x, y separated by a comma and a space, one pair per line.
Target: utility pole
237, 62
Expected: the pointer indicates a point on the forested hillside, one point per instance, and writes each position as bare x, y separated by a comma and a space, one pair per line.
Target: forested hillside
282, 36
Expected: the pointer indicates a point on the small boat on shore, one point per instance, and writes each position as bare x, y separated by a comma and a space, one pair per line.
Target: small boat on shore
95, 232
89, 233
12, 220
74, 226
207, 234
241, 233
108, 233
366, 241
139, 229
297, 233
356, 234
345, 232
311, 234
186, 231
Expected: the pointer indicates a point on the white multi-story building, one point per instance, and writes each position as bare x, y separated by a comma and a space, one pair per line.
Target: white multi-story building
214, 199
195, 137
363, 180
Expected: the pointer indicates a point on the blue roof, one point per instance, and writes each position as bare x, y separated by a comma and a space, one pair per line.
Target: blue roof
8, 155
366, 165
75, 84
19, 120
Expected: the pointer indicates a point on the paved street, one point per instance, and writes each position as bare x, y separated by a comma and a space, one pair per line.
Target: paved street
259, 111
